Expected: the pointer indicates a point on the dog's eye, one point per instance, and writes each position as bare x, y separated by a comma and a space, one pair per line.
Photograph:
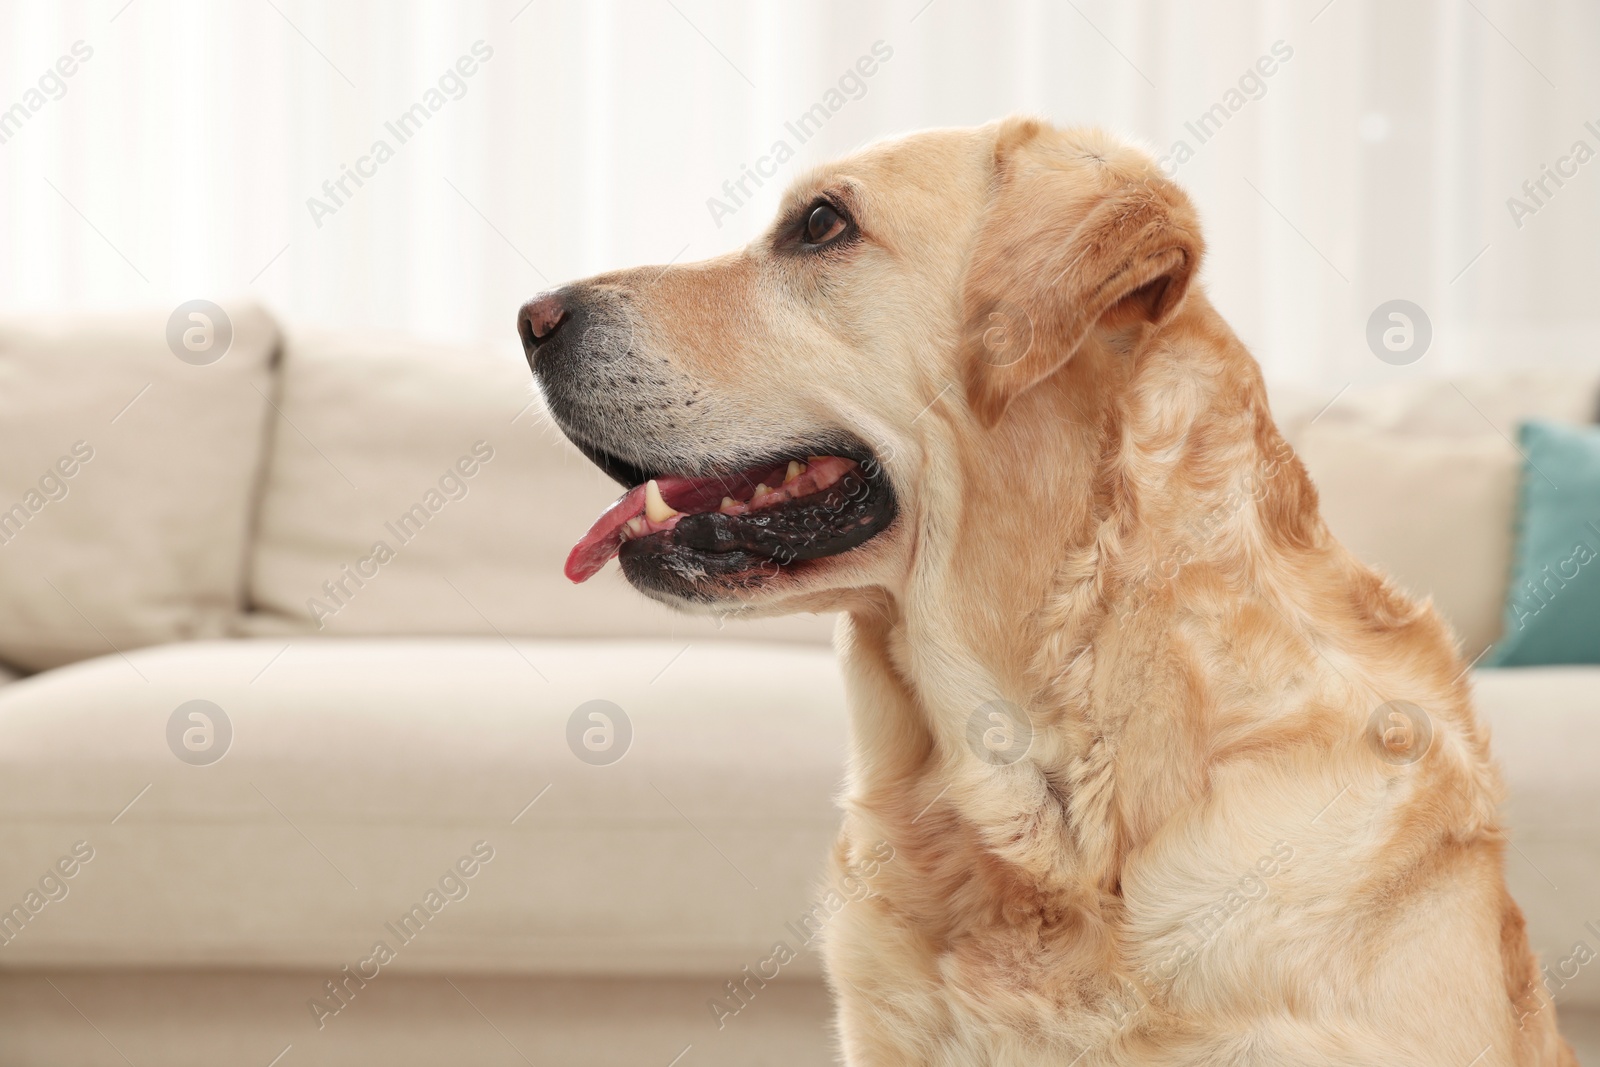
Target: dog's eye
823, 224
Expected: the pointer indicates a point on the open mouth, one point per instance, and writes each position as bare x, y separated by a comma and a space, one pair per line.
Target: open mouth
737, 527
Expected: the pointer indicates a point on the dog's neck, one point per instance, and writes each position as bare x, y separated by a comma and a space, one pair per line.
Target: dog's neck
1003, 672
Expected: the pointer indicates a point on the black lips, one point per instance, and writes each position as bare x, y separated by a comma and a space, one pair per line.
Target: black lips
706, 552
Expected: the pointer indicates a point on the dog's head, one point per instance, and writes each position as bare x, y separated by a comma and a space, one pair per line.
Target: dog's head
799, 419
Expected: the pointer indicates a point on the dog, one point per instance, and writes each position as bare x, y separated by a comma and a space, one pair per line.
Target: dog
1167, 776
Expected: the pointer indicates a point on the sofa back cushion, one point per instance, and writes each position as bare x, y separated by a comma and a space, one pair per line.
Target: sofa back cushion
127, 478
1433, 513
1419, 479
420, 489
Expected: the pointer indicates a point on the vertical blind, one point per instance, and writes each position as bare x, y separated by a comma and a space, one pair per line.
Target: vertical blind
425, 167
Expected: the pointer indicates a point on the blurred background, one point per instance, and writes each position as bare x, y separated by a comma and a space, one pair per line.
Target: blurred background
260, 262
1375, 162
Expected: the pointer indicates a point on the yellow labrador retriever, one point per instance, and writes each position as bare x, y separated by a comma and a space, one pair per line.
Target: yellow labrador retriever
1168, 776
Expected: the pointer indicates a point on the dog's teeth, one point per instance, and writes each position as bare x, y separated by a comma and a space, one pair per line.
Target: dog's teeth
761, 491
796, 469
728, 504
656, 508
634, 527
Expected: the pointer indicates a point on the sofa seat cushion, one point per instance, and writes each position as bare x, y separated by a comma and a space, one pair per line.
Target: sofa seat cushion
202, 1018
127, 478
1545, 731
360, 772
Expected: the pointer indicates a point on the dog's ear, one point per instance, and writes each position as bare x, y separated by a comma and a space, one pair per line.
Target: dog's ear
1074, 240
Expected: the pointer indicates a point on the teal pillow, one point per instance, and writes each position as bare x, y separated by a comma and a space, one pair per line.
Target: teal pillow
1553, 608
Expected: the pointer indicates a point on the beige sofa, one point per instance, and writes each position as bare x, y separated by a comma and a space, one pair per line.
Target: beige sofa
410, 719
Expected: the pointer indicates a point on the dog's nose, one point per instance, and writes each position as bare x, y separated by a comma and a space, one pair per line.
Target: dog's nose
539, 320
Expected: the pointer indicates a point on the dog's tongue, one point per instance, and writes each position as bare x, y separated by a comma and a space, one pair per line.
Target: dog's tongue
604, 539
732, 494
597, 547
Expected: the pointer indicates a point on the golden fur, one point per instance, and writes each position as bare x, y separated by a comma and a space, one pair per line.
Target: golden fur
1219, 847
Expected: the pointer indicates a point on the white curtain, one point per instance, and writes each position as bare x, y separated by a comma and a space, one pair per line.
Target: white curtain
181, 156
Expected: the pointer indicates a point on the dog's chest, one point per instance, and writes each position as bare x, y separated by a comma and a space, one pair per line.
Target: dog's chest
1006, 970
